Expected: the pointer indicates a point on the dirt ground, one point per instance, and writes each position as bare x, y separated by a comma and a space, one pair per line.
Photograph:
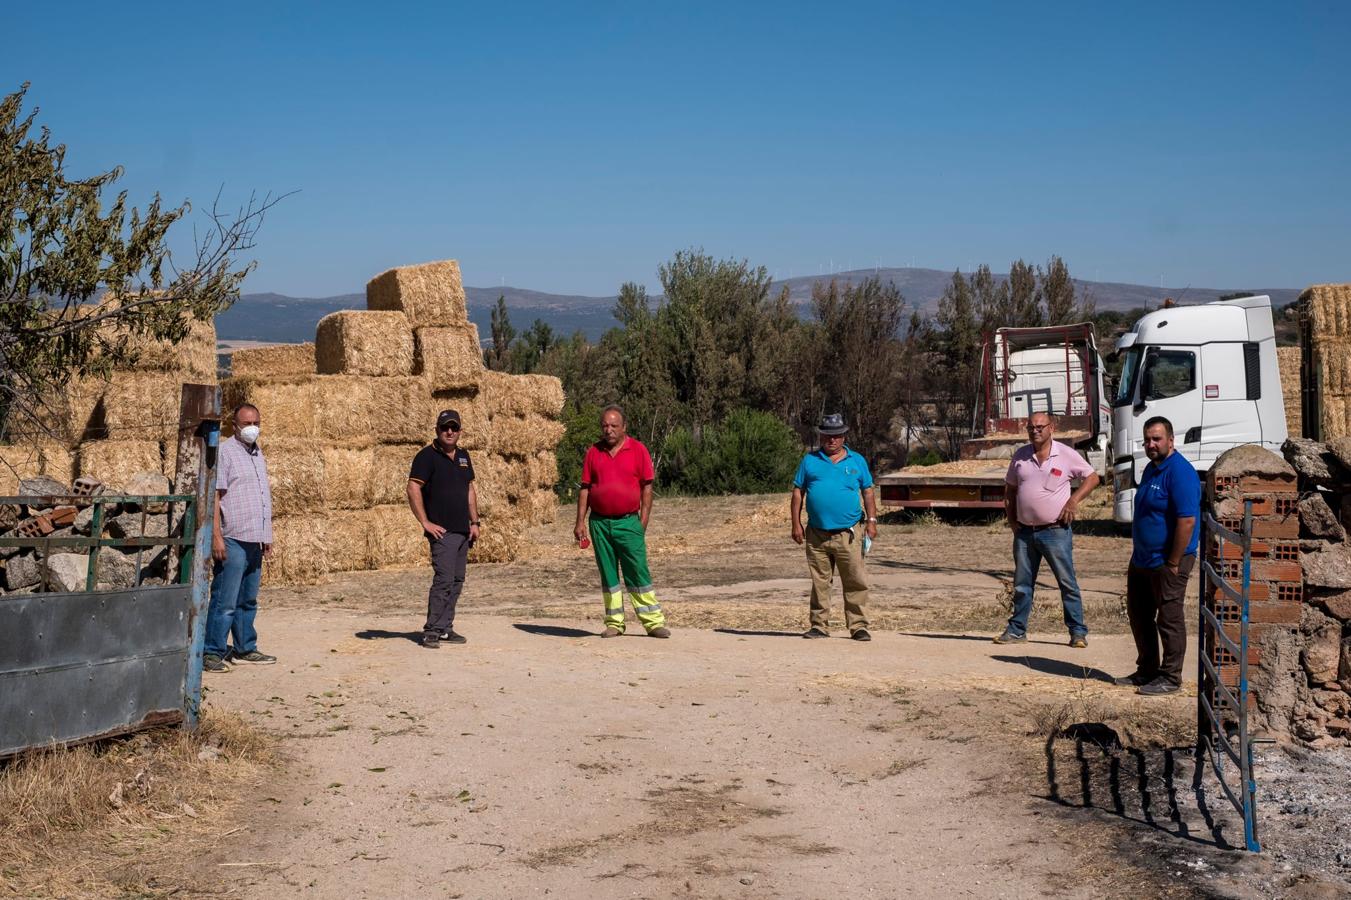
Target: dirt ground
734, 760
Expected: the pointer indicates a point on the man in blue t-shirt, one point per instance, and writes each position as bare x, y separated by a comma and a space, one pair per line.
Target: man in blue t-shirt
831, 479
1164, 538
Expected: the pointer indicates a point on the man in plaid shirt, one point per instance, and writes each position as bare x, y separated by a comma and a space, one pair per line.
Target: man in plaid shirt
242, 536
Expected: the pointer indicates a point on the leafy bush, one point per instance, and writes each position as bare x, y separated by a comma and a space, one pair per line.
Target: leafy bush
583, 429
929, 457
750, 452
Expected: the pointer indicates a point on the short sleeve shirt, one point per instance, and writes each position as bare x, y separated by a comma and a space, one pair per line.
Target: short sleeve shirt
245, 493
1168, 491
445, 479
834, 501
615, 483
1044, 487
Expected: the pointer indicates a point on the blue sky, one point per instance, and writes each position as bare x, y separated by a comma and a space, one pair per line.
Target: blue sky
571, 147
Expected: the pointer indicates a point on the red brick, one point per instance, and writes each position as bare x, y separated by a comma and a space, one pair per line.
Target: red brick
1276, 527
1276, 570
1268, 484
1231, 550
1274, 612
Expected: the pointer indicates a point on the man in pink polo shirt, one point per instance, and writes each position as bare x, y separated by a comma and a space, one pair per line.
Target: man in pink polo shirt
1040, 508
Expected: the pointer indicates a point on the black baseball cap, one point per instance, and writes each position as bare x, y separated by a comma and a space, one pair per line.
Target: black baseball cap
447, 417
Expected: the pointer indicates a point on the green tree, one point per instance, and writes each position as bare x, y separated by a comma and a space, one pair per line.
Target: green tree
83, 283
528, 349
1058, 297
498, 356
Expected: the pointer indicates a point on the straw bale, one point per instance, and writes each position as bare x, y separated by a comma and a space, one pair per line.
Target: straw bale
429, 294
499, 477
394, 537
115, 462
1288, 361
389, 473
449, 358
308, 475
519, 395
543, 469
525, 435
498, 541
286, 404
1332, 363
20, 461
302, 549
1328, 307
193, 358
280, 359
536, 507
355, 342
397, 410
131, 406
1336, 416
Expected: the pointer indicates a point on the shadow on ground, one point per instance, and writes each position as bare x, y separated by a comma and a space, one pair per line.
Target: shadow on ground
1057, 667
373, 634
552, 630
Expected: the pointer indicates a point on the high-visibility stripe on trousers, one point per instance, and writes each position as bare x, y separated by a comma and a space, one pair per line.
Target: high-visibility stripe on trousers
621, 548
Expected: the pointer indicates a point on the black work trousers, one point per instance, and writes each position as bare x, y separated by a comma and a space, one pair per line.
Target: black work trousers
1155, 601
449, 555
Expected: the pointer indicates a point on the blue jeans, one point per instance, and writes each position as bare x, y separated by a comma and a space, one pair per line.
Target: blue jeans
1056, 546
234, 598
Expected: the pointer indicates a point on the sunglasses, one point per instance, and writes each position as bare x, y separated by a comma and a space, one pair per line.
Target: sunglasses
450, 426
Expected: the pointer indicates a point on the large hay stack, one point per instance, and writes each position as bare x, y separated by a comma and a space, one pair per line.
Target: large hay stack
1325, 339
113, 429
1287, 360
343, 418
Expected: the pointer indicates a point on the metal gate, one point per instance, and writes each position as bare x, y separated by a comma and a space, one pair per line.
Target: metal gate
1222, 699
84, 665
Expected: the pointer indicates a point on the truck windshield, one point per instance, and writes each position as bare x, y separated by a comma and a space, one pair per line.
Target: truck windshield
1130, 368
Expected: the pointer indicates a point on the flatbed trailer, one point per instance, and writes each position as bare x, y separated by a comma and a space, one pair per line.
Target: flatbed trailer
1024, 371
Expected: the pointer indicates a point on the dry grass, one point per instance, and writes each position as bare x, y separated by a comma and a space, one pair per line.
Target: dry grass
127, 816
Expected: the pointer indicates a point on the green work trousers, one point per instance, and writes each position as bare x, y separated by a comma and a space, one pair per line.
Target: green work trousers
621, 546
843, 550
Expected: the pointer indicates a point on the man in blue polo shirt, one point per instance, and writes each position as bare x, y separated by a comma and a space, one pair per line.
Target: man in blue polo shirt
832, 478
1165, 539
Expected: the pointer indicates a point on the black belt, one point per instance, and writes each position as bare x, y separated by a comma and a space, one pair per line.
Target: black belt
1040, 527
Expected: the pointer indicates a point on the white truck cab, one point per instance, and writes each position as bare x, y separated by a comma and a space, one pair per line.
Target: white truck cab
1211, 370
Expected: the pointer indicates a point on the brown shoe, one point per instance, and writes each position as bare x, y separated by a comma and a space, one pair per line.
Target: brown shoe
660, 632
611, 631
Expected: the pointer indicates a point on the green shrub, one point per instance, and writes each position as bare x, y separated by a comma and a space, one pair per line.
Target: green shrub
749, 452
583, 430
929, 457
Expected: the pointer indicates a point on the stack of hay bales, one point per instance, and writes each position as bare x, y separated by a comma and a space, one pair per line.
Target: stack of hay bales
1287, 361
112, 429
343, 418
1325, 338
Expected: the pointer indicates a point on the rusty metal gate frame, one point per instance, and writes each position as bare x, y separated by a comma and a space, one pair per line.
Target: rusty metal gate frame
1216, 702
189, 539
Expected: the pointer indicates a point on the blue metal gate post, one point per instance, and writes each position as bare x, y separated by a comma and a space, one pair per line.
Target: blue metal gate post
198, 439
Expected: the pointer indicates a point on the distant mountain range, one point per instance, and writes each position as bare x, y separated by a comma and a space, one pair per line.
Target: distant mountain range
283, 319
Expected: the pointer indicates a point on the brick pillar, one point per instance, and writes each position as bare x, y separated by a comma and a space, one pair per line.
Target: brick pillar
1276, 592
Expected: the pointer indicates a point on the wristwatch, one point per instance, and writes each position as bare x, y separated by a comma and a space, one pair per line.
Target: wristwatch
475, 522
872, 519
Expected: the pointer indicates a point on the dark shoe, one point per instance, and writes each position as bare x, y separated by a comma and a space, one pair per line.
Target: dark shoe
611, 631
1008, 637
1158, 686
213, 663
253, 657
450, 637
861, 635
431, 640
661, 632
1078, 641
815, 633
1134, 679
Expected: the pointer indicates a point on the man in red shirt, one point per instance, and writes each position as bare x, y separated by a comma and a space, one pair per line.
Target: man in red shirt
617, 489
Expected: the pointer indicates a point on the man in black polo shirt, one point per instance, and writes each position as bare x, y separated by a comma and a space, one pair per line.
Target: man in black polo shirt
442, 497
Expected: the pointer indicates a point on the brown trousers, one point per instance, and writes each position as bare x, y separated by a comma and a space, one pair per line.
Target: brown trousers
827, 552
1155, 600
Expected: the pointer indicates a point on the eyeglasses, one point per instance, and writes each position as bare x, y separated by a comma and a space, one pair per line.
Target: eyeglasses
450, 426
1038, 427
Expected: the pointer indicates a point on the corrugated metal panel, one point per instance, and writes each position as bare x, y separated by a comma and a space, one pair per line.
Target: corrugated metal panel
79, 666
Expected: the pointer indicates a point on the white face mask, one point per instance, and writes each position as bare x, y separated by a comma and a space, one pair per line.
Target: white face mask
249, 434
